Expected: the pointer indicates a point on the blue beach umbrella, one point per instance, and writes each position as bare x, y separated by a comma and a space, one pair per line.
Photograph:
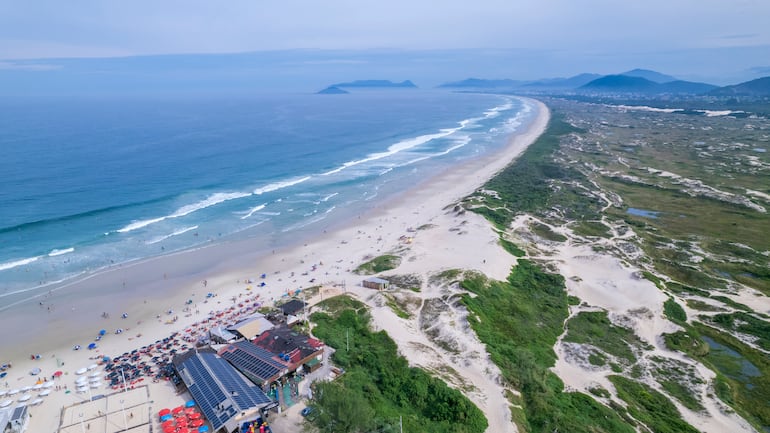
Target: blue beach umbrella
166, 417
203, 428
102, 332
190, 403
92, 346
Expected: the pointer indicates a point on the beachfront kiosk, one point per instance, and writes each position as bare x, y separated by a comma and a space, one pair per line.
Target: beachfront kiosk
376, 283
226, 398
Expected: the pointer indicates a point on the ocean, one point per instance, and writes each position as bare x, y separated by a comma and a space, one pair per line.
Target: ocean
94, 183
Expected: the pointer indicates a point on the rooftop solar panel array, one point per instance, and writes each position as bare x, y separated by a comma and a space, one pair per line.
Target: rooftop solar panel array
215, 384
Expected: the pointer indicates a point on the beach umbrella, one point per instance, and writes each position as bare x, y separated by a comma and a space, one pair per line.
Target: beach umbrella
36, 401
168, 422
102, 332
38, 387
95, 374
81, 371
25, 397
169, 429
26, 388
190, 403
92, 366
3, 392
92, 346
177, 409
166, 417
58, 373
196, 422
35, 371
45, 392
183, 430
13, 391
195, 415
190, 410
181, 422
203, 429
6, 403
48, 384
164, 411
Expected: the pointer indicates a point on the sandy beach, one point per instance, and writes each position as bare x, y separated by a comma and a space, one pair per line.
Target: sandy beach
169, 294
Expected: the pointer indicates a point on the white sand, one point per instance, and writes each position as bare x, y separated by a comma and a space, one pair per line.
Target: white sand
157, 285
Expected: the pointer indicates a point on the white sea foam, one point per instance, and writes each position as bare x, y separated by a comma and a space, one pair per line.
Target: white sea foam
56, 252
325, 199
253, 210
394, 149
17, 263
175, 233
279, 185
212, 200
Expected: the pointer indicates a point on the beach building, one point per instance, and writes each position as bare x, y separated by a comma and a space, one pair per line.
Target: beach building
376, 283
259, 365
14, 419
293, 347
292, 308
220, 335
252, 326
226, 397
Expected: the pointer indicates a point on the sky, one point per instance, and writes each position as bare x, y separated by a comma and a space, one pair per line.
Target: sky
695, 39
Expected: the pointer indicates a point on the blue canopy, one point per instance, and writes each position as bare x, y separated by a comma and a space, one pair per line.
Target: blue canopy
92, 346
190, 403
203, 428
102, 332
166, 417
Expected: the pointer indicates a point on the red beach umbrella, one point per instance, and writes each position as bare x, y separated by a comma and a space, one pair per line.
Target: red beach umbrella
167, 423
58, 374
196, 422
190, 410
164, 412
195, 415
183, 430
169, 429
181, 422
176, 410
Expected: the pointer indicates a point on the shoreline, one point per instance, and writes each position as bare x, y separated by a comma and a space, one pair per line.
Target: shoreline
324, 258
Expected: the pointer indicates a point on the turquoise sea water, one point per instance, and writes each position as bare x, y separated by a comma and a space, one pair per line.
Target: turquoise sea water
88, 184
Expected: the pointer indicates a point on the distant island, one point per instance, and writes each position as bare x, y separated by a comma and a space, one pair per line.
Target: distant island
406, 84
333, 90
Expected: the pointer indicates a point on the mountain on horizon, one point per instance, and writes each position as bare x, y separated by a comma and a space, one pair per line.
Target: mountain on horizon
654, 76
755, 88
631, 84
564, 83
332, 90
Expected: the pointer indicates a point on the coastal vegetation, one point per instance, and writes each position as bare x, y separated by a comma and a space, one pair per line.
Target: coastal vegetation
520, 320
378, 264
378, 385
682, 197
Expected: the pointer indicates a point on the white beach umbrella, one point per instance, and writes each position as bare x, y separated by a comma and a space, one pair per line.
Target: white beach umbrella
26, 388
25, 397
45, 392
38, 387
36, 401
95, 385
48, 384
95, 374
3, 392
6, 403
92, 366
13, 391
81, 370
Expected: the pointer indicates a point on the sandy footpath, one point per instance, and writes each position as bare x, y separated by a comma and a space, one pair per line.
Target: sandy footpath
179, 283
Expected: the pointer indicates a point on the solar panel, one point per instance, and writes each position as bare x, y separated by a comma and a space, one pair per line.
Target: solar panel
253, 361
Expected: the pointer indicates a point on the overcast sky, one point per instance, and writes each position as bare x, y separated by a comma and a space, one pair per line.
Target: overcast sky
567, 29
